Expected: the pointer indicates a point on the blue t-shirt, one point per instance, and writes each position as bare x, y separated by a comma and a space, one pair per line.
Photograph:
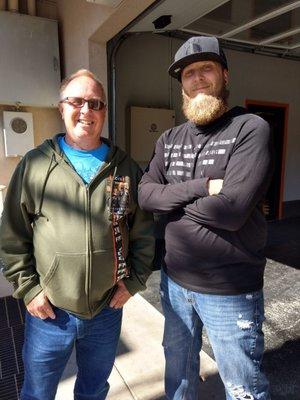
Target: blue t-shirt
87, 163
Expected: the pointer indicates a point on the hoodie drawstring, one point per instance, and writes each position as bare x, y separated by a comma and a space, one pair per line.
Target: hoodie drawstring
50, 169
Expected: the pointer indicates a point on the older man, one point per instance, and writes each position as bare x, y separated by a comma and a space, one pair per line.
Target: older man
74, 253
209, 177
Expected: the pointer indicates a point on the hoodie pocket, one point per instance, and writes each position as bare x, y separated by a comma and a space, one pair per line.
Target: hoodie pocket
65, 282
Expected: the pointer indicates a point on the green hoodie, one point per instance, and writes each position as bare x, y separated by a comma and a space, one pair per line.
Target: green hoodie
73, 240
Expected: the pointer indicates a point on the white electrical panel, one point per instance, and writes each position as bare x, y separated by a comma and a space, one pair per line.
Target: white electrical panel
29, 61
146, 126
18, 133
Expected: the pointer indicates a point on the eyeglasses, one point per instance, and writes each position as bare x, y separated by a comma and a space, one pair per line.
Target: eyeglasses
78, 102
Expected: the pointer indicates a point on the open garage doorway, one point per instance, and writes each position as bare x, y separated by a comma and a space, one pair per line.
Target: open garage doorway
139, 57
277, 116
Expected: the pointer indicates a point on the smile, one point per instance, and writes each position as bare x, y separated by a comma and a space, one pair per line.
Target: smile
201, 88
87, 123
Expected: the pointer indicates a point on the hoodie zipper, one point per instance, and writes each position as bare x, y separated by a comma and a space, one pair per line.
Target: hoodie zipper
88, 237
88, 246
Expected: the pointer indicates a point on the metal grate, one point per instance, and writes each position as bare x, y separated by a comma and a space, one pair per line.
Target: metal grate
12, 313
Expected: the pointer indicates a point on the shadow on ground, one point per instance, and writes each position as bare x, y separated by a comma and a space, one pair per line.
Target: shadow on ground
211, 389
282, 367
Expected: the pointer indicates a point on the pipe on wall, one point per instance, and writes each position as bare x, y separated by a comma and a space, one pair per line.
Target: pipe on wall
2, 187
2, 5
31, 7
13, 5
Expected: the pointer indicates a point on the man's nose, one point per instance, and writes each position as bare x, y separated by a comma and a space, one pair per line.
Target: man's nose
85, 107
199, 74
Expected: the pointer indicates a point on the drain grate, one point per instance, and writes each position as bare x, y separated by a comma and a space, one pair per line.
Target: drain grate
12, 313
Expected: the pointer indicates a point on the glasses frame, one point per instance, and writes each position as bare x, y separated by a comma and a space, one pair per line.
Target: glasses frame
101, 104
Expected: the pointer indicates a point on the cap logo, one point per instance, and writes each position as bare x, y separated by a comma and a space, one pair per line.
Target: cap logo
196, 48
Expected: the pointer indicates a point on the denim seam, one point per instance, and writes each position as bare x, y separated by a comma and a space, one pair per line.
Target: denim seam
188, 366
256, 362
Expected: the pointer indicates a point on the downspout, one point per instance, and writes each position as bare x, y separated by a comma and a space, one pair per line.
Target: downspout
2, 187
2, 5
13, 5
112, 48
31, 7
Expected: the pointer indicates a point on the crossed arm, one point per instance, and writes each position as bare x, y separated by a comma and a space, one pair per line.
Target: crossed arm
220, 204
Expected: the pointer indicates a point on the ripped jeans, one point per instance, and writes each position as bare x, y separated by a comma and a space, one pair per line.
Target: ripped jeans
234, 327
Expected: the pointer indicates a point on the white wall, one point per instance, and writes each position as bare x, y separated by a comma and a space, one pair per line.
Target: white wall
142, 80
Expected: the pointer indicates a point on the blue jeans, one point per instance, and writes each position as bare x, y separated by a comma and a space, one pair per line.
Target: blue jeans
49, 344
234, 328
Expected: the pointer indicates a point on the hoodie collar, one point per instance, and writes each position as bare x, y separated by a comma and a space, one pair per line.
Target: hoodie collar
51, 146
213, 126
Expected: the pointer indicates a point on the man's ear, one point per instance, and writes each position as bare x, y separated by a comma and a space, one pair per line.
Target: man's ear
61, 110
226, 76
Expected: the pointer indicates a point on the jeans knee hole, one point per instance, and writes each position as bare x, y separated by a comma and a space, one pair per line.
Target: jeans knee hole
239, 392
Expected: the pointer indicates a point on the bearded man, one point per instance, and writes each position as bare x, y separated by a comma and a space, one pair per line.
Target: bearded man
208, 177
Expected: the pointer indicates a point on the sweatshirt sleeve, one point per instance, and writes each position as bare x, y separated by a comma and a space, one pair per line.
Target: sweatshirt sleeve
16, 240
246, 181
141, 248
157, 195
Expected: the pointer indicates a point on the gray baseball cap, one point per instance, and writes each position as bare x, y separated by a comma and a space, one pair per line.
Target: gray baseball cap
197, 48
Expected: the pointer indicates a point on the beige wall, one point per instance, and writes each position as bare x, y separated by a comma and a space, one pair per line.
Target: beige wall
46, 9
142, 80
78, 22
81, 21
46, 122
85, 29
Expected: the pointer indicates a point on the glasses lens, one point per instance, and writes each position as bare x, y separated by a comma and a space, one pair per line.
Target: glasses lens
95, 104
76, 101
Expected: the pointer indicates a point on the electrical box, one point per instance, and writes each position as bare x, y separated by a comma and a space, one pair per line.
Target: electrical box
18, 133
146, 126
29, 61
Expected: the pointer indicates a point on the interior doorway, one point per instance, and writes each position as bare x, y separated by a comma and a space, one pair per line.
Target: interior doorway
276, 114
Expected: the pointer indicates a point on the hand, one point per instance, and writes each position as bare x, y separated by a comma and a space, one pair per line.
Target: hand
120, 297
215, 186
40, 307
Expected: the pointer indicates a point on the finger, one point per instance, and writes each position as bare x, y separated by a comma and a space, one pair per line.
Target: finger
32, 313
113, 302
121, 301
42, 316
48, 311
116, 301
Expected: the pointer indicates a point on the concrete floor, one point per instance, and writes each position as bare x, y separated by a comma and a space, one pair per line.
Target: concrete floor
282, 327
282, 306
